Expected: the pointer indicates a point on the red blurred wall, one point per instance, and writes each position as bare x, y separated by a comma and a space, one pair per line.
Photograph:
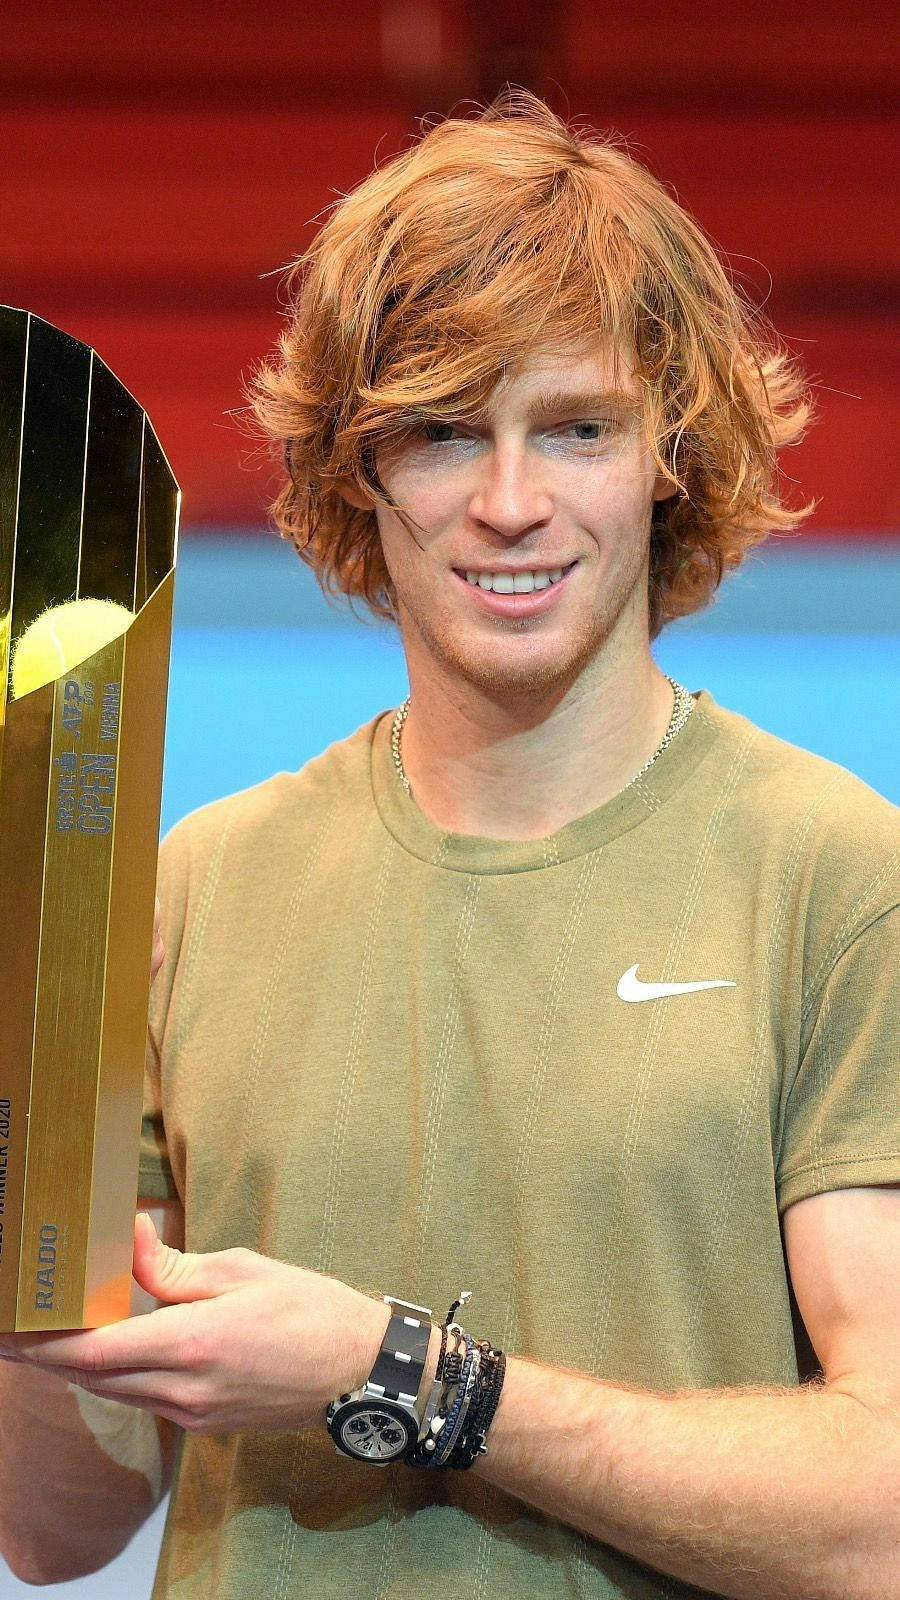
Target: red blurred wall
155, 175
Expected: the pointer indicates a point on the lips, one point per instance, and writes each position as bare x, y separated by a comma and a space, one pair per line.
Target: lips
539, 575
516, 605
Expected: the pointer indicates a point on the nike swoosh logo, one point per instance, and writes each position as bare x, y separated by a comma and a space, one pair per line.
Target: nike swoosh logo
630, 987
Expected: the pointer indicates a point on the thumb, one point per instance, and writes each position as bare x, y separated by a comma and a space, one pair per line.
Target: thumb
170, 1274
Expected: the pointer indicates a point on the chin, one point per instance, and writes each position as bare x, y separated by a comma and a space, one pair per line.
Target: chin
515, 658
503, 673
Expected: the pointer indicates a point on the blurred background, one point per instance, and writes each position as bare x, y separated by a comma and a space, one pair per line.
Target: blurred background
156, 175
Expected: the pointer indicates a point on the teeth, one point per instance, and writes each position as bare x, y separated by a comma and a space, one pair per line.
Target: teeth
518, 583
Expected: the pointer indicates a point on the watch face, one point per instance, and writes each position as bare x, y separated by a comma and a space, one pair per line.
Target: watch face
372, 1432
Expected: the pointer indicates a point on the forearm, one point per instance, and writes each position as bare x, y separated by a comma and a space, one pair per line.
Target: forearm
78, 1476
777, 1495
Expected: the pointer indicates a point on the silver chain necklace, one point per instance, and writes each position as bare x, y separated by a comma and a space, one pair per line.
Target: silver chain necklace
681, 710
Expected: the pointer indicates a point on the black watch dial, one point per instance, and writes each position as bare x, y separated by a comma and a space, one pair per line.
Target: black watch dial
373, 1431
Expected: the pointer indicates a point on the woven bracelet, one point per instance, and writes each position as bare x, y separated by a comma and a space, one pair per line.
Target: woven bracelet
473, 1372
471, 1443
446, 1380
445, 1440
470, 1437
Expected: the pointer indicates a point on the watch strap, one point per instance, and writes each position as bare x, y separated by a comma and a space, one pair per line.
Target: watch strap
400, 1363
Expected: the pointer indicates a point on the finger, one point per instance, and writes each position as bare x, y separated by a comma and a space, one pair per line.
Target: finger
153, 1393
133, 1385
179, 1276
158, 1340
170, 1274
41, 1349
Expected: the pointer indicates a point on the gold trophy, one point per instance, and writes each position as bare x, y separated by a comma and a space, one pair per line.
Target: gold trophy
88, 508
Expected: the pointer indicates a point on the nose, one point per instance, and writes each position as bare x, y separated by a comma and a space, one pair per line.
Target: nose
510, 497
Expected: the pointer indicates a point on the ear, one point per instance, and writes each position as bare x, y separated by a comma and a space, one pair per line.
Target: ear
349, 490
664, 488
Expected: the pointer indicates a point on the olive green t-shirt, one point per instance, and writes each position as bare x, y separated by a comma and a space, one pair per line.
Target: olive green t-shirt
423, 1061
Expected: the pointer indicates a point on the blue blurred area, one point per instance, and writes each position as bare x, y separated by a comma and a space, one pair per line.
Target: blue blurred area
266, 673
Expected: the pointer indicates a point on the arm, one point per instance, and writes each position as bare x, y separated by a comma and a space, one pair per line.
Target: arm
784, 1495
78, 1474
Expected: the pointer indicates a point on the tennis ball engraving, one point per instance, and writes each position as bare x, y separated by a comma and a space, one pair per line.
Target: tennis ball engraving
62, 638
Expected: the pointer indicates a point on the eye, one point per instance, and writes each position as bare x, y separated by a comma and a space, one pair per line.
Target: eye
589, 431
437, 432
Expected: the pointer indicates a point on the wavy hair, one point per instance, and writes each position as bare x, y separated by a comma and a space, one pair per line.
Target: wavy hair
489, 238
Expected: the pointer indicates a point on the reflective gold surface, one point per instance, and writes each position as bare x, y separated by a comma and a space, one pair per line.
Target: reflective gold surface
88, 507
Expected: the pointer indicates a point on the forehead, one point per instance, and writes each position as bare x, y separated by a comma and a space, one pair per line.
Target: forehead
550, 377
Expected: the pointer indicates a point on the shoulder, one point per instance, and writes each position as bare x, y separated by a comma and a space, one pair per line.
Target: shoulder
829, 840
781, 788
280, 811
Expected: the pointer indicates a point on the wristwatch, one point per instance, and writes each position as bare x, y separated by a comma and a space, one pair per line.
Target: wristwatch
380, 1422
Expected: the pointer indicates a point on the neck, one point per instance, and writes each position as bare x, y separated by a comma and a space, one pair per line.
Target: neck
499, 770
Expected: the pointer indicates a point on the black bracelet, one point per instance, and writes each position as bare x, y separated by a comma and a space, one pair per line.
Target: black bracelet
453, 1433
452, 1369
446, 1381
471, 1444
442, 1446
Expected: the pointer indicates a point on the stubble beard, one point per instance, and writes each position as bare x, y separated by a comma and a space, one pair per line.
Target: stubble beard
502, 674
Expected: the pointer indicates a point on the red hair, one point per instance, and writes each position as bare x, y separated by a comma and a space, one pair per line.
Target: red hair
489, 238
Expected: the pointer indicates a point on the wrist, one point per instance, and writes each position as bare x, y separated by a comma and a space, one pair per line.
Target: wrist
379, 1418
426, 1393
372, 1328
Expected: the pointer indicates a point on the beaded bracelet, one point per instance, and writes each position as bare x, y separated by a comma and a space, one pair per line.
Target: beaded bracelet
446, 1382
471, 1443
453, 1434
456, 1416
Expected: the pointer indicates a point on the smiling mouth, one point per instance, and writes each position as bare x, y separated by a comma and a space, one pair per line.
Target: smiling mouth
526, 580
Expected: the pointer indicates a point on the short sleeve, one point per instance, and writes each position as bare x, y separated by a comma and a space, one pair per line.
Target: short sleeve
842, 1119
156, 1180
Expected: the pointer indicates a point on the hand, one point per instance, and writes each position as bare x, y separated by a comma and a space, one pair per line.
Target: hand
159, 949
242, 1343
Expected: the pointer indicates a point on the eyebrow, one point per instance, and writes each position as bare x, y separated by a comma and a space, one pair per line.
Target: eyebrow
578, 402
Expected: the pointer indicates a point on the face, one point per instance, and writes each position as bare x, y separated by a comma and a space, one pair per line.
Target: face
548, 496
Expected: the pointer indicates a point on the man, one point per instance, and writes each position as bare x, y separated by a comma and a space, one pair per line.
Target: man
559, 984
